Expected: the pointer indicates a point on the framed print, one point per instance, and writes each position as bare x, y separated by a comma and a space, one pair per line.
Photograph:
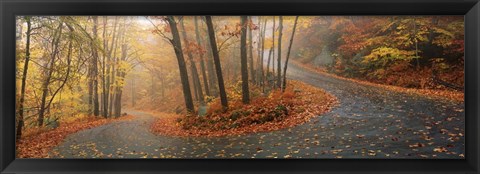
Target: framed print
251, 86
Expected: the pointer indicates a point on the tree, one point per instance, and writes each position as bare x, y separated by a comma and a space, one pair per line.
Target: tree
94, 65
202, 62
193, 67
51, 66
249, 24
121, 72
111, 68
268, 64
216, 59
288, 55
243, 60
177, 46
273, 53
106, 75
279, 60
24, 78
261, 54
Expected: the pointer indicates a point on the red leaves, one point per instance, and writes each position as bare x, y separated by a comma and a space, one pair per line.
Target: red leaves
277, 111
41, 141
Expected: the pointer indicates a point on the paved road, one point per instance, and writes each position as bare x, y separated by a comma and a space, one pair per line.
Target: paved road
370, 122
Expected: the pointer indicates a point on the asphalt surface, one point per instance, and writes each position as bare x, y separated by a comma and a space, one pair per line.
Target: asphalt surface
369, 122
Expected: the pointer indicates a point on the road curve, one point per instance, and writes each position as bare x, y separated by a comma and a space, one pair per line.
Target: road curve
370, 122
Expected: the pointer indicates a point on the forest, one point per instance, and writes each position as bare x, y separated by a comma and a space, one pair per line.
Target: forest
217, 76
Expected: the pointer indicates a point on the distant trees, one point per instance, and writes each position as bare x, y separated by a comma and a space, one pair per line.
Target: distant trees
249, 25
68, 57
193, 68
202, 61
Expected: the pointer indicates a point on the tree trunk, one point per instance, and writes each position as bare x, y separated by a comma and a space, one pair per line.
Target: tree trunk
273, 54
262, 40
114, 72
202, 62
67, 74
268, 64
96, 108
104, 97
284, 86
212, 76
133, 92
216, 59
193, 67
118, 91
177, 46
24, 79
279, 60
49, 73
250, 49
243, 60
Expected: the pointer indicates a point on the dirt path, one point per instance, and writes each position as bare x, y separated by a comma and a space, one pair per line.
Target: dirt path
370, 122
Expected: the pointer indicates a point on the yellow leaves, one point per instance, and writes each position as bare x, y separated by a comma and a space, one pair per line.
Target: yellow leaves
416, 145
440, 149
383, 56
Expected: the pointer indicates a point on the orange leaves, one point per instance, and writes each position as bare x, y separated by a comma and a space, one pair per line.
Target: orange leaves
430, 93
278, 110
440, 149
38, 144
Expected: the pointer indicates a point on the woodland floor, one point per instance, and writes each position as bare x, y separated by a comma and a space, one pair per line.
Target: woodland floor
369, 122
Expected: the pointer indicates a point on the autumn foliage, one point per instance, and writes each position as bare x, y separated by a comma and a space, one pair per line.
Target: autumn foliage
418, 52
298, 104
430, 93
38, 143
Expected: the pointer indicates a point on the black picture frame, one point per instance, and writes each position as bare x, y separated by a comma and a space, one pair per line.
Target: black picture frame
10, 8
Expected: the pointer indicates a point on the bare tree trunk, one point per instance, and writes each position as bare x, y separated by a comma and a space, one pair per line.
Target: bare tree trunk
90, 88
104, 97
284, 86
118, 91
250, 49
96, 108
212, 76
216, 59
268, 63
193, 67
273, 54
133, 92
109, 65
24, 78
114, 71
258, 76
177, 46
243, 60
202, 62
279, 60
262, 40
67, 74
50, 68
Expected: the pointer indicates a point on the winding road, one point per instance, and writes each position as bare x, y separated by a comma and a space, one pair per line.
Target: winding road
369, 122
